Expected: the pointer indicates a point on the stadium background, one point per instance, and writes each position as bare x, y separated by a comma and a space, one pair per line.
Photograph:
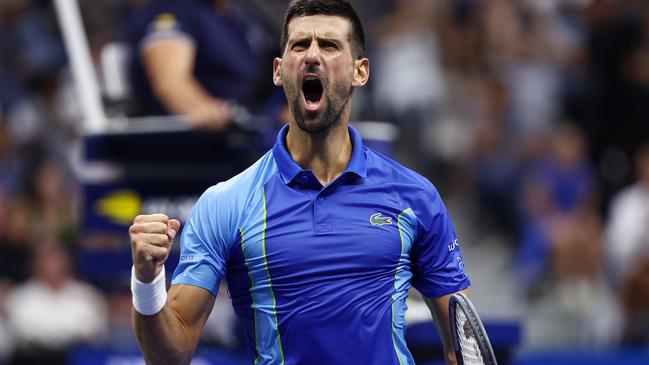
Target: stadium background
526, 114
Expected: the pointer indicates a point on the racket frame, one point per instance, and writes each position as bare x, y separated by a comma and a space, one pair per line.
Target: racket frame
460, 301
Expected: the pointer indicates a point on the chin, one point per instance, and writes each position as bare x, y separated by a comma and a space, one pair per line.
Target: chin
321, 125
314, 127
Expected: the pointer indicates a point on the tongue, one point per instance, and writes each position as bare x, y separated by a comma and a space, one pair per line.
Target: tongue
312, 95
312, 103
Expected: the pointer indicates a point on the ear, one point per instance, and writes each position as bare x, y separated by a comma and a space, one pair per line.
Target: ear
361, 72
277, 72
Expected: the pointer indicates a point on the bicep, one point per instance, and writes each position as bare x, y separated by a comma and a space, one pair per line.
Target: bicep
191, 305
168, 60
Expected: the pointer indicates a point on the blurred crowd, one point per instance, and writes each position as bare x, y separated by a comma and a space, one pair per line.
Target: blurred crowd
533, 114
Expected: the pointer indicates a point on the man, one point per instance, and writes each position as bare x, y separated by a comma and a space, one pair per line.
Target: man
320, 239
192, 58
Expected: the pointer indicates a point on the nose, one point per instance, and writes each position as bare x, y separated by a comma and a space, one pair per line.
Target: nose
312, 56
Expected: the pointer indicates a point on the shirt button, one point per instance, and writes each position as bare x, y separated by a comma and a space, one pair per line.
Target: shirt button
321, 198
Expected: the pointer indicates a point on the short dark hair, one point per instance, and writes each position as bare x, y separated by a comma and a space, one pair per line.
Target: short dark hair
340, 8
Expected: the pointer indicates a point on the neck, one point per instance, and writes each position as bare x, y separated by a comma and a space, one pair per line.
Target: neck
325, 154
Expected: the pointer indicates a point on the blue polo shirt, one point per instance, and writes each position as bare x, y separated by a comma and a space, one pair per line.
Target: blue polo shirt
320, 274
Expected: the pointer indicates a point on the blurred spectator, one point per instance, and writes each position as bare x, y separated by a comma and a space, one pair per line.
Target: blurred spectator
48, 206
30, 48
31, 56
525, 47
627, 239
562, 232
193, 57
497, 161
560, 261
409, 83
15, 246
121, 336
6, 339
611, 104
9, 163
53, 311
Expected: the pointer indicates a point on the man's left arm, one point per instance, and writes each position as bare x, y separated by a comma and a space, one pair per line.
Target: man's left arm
439, 309
438, 266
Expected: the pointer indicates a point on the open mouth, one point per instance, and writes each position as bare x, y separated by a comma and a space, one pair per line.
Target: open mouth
312, 90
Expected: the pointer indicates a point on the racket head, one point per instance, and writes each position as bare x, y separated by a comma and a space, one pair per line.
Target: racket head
465, 322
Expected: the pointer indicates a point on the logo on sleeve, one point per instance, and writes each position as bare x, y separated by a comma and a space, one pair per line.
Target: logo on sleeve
453, 245
164, 22
188, 258
378, 220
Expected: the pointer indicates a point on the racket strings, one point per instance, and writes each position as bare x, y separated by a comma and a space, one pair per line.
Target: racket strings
467, 340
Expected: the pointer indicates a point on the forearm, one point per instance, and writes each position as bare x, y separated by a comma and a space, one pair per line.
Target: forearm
443, 326
163, 338
439, 310
182, 95
167, 324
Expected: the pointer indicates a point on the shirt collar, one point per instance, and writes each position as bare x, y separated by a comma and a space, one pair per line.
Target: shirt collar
289, 169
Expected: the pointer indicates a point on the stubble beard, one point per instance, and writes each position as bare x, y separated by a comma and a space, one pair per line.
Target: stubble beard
328, 118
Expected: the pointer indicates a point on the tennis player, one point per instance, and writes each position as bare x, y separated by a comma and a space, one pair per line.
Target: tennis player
319, 240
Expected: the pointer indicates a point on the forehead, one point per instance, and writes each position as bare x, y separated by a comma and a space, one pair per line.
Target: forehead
327, 26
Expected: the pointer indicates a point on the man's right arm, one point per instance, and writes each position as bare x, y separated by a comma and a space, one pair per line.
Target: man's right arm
168, 335
171, 336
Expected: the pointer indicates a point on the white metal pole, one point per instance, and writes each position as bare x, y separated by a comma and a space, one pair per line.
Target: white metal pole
85, 78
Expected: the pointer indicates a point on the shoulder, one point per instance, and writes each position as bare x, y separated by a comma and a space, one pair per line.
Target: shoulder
629, 198
166, 17
178, 8
248, 180
236, 192
407, 182
222, 207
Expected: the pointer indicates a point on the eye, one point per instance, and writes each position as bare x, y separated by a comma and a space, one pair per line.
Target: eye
300, 46
328, 45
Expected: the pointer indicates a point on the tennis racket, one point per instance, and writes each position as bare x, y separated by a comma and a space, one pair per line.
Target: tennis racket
470, 341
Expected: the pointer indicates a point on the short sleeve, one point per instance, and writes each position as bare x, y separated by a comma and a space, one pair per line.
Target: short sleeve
205, 242
438, 266
168, 22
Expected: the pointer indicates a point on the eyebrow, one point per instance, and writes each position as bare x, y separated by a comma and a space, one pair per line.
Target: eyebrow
300, 37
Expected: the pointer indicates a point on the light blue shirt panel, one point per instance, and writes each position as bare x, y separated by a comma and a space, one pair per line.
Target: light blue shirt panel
212, 228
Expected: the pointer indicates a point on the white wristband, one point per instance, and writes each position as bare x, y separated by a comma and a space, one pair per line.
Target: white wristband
149, 298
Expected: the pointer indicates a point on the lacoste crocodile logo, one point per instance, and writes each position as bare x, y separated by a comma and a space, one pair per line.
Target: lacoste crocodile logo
377, 220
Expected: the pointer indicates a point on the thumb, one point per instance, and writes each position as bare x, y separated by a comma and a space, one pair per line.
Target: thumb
173, 227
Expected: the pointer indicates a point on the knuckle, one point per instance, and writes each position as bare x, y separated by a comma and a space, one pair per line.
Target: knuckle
157, 239
138, 245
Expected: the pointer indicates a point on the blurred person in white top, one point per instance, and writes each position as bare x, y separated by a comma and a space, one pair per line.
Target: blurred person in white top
627, 231
627, 248
52, 310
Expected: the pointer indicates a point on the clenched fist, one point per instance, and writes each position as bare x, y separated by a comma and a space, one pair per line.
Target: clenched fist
151, 239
